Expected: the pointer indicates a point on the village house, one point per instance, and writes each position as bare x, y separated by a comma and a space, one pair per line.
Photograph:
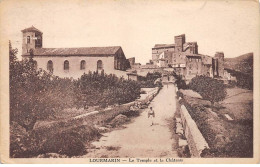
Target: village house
185, 59
73, 62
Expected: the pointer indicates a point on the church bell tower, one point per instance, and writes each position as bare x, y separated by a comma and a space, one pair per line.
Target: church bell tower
32, 39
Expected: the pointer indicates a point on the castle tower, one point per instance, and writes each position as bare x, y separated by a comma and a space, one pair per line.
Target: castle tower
179, 41
32, 39
219, 57
194, 47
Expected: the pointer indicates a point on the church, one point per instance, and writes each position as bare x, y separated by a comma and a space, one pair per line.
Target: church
73, 62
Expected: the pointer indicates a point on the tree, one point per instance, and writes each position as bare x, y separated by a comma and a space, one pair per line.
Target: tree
35, 94
210, 89
181, 84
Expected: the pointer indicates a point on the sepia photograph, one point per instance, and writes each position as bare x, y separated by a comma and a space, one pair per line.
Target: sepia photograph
129, 81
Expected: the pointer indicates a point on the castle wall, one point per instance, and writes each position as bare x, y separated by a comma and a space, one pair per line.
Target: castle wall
193, 67
219, 56
157, 51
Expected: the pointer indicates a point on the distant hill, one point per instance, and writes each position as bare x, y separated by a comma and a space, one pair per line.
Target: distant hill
243, 63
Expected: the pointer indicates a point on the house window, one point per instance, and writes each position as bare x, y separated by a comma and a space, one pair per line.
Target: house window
66, 65
28, 39
99, 65
83, 65
50, 66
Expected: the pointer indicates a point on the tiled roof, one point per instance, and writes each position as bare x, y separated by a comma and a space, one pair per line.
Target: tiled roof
31, 29
163, 45
91, 51
193, 56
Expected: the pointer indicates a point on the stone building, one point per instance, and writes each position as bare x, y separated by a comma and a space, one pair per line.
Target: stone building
158, 49
73, 62
131, 61
185, 59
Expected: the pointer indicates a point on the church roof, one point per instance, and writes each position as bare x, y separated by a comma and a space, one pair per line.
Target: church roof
31, 29
82, 51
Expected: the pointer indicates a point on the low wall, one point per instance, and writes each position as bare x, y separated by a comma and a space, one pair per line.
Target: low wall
123, 107
196, 141
149, 96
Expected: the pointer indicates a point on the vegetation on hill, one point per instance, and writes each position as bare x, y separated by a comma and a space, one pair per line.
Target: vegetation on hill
242, 68
209, 88
243, 63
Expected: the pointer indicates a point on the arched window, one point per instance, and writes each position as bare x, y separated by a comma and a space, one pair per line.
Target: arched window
50, 66
66, 65
99, 65
82, 65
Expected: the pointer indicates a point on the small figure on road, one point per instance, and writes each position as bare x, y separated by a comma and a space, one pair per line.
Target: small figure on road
151, 115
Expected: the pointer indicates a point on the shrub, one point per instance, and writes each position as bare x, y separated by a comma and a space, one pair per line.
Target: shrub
181, 84
244, 80
150, 80
209, 88
70, 142
36, 94
104, 90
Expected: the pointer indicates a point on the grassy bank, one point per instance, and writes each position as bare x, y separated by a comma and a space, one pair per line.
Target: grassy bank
226, 137
68, 136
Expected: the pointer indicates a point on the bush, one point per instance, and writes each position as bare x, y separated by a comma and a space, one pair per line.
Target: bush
70, 142
209, 88
103, 90
149, 81
36, 94
181, 84
244, 80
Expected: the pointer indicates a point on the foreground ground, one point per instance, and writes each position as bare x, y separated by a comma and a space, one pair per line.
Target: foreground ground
139, 139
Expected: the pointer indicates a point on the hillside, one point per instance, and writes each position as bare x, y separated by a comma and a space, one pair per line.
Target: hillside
243, 63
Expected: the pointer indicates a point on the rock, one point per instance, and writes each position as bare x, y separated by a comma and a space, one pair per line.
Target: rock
178, 120
118, 120
182, 142
228, 117
178, 124
179, 130
103, 129
220, 140
190, 93
52, 155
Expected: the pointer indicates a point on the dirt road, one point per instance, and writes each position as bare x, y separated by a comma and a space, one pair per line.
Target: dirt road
139, 139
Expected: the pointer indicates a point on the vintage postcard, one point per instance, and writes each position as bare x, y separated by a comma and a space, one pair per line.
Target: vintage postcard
129, 82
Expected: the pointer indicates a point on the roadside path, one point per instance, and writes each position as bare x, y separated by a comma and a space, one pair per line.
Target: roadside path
139, 139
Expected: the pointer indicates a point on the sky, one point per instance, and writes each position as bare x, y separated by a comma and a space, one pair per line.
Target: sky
136, 26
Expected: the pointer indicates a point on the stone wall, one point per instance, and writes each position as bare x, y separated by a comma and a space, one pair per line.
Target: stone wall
196, 141
219, 56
